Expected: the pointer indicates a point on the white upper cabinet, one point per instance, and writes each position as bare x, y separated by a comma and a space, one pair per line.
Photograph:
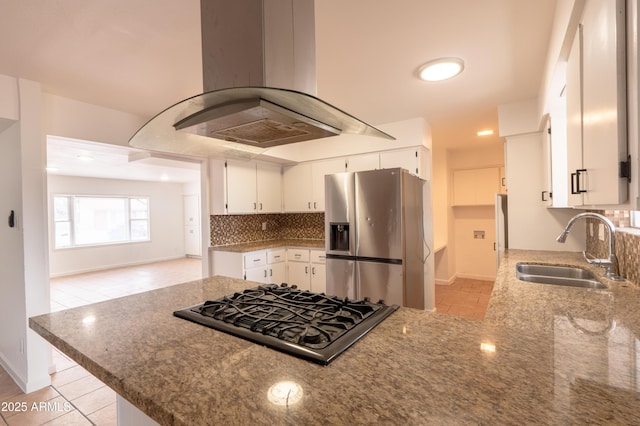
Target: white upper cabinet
303, 184
269, 188
360, 163
412, 159
596, 106
239, 187
476, 187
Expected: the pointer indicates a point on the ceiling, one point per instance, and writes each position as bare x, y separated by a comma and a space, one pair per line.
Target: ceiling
143, 56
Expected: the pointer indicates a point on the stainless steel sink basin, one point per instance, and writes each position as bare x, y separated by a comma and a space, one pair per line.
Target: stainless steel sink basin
557, 275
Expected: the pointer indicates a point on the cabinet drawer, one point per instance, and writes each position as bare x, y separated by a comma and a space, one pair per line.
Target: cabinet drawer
318, 256
298, 255
253, 259
275, 256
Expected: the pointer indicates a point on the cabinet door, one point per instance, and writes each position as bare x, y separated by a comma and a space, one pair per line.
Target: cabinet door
269, 188
256, 274
407, 159
574, 116
318, 278
296, 182
318, 171
604, 141
475, 187
299, 274
277, 273
359, 163
241, 187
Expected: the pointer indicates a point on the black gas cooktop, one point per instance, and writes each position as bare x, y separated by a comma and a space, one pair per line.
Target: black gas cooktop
309, 325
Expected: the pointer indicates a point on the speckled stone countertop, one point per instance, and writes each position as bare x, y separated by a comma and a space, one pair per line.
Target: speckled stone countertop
543, 355
267, 244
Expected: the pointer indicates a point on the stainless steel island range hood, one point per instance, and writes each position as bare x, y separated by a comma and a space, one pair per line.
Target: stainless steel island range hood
259, 77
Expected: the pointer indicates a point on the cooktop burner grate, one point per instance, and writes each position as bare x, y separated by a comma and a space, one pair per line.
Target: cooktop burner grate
310, 325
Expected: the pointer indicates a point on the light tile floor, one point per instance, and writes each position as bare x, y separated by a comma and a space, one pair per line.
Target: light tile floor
75, 397
465, 297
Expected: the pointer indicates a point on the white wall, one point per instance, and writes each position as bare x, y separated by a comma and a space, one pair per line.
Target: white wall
79, 120
24, 283
167, 225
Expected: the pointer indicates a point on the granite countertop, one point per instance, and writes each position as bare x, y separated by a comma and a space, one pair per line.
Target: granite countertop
543, 355
267, 244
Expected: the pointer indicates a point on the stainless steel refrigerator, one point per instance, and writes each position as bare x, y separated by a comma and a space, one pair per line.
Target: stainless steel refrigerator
374, 236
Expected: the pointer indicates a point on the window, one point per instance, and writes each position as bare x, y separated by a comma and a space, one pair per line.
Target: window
635, 219
87, 220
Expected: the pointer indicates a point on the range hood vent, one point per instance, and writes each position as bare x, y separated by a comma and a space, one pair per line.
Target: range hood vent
259, 81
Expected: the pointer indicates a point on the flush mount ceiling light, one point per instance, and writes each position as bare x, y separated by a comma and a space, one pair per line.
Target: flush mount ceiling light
485, 132
441, 69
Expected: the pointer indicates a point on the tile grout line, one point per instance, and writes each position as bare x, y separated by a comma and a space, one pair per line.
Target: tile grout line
72, 404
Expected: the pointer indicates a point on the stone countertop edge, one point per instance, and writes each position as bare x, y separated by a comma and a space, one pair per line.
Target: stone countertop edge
542, 370
269, 244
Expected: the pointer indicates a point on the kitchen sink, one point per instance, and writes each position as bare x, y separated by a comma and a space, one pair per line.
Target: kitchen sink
557, 275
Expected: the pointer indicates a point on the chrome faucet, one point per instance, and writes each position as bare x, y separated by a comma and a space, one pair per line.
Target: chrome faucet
610, 264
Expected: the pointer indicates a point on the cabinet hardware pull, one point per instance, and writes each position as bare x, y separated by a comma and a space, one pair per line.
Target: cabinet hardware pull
306, 269
309, 205
270, 272
265, 273
543, 197
261, 206
578, 173
254, 206
314, 205
313, 270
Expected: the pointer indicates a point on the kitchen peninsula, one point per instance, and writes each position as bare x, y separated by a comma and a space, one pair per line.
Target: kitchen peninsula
543, 355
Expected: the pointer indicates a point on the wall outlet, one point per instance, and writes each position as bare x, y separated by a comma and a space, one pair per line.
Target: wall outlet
478, 235
601, 231
264, 226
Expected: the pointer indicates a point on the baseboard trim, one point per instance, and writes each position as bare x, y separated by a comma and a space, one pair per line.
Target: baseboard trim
445, 281
121, 265
477, 277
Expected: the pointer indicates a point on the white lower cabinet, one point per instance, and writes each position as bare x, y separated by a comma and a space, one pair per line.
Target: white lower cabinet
304, 268
299, 268
263, 266
318, 271
307, 269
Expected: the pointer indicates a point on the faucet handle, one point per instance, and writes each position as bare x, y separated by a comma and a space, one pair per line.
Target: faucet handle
593, 261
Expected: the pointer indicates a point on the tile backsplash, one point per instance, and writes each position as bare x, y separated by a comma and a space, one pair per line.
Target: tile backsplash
627, 245
236, 229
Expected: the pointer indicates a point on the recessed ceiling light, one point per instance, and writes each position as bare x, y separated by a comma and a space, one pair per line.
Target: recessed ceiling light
84, 157
485, 132
441, 69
